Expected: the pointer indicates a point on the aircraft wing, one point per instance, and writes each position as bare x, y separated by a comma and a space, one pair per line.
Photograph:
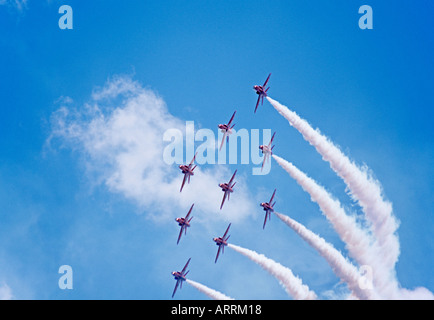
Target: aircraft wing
176, 287
266, 81
271, 200
192, 160
267, 216
218, 253
185, 267
223, 201
232, 118
227, 230
265, 220
233, 176
183, 182
265, 159
223, 140
271, 141
257, 103
189, 211
180, 233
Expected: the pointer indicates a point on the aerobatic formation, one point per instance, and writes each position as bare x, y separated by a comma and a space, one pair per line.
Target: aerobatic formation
375, 245
227, 188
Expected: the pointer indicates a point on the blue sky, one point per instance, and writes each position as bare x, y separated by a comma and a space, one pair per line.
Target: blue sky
370, 91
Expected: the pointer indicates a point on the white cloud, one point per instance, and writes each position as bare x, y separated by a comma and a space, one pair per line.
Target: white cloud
119, 132
17, 4
5, 292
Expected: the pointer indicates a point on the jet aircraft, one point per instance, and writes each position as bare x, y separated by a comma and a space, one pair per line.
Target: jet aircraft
187, 171
184, 223
227, 188
267, 150
226, 129
222, 242
180, 277
268, 208
261, 91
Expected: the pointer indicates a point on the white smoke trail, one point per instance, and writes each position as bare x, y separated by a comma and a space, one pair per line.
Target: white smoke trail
362, 186
344, 269
346, 226
213, 294
292, 284
358, 242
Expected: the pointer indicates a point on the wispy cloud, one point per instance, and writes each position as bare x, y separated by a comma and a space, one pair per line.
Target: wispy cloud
119, 134
19, 5
5, 292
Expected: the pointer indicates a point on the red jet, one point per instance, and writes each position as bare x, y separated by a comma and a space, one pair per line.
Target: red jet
187, 171
226, 130
180, 276
267, 150
227, 188
268, 208
184, 223
261, 91
221, 242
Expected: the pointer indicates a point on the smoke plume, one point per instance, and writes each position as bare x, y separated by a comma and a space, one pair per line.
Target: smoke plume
213, 294
362, 186
344, 269
292, 284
